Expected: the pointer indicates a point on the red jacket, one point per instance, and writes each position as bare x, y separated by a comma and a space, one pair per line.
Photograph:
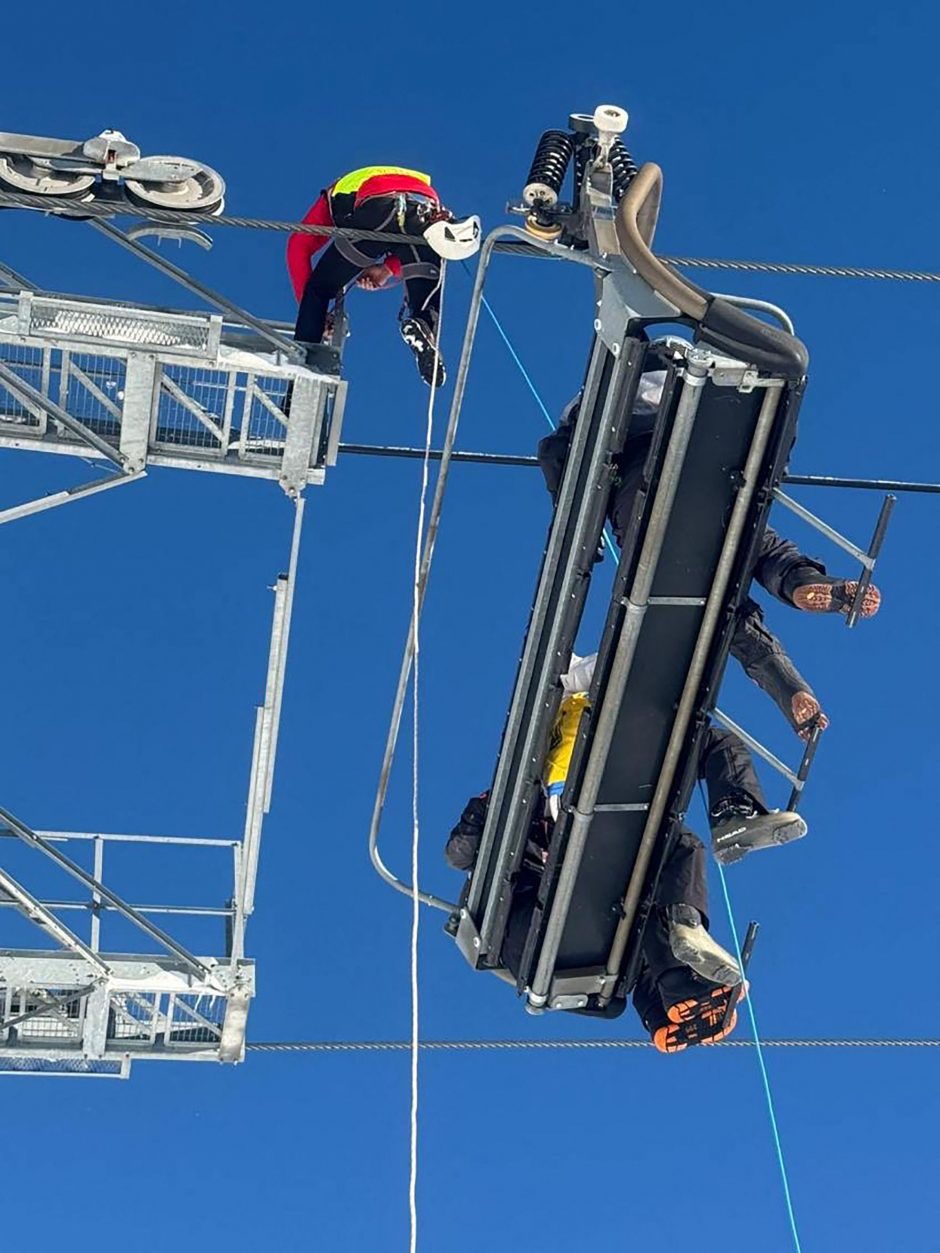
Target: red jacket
365, 184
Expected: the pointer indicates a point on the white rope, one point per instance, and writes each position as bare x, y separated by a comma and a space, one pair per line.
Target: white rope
416, 830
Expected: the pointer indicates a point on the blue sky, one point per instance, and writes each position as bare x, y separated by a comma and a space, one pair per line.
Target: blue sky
137, 632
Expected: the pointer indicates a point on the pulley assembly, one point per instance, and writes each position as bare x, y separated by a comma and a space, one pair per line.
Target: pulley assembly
107, 167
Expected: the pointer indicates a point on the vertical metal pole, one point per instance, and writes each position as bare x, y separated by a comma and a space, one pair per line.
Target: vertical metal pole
267, 720
285, 639
802, 773
747, 948
874, 549
96, 896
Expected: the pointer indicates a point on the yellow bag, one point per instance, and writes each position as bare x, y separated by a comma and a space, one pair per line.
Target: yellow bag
564, 732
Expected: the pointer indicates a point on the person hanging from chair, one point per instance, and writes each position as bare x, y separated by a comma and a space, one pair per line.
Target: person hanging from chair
781, 569
687, 981
392, 200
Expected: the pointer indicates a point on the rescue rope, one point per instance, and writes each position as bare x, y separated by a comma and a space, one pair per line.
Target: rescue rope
416, 827
75, 209
765, 1078
608, 539
509, 1046
757, 1042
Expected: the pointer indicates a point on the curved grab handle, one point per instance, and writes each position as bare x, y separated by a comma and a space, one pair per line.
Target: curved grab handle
721, 323
637, 215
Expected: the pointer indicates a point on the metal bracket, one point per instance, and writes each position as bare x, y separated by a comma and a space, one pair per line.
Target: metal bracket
747, 949
797, 778
866, 558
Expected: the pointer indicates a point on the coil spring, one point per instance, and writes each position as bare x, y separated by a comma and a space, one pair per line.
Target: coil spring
624, 169
582, 153
548, 169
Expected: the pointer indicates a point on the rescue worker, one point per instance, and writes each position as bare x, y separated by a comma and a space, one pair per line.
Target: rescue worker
389, 199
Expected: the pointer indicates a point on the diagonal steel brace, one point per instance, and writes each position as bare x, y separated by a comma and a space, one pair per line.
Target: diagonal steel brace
37, 913
28, 836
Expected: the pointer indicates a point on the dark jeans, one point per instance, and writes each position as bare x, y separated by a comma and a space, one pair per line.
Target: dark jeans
334, 271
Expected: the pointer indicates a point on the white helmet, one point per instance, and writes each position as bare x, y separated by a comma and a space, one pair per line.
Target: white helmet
454, 241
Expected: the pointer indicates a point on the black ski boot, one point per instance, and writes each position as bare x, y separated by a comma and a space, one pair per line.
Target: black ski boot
739, 826
419, 337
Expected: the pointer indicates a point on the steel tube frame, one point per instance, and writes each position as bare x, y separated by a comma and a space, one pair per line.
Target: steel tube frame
520, 459
13, 281
696, 669
64, 836
874, 551
802, 774
884, 485
25, 392
66, 497
36, 912
93, 906
31, 838
824, 528
53, 1003
761, 306
568, 510
756, 746
696, 376
473, 316
281, 342
264, 749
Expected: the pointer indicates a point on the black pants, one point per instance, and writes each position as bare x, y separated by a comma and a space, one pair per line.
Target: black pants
334, 270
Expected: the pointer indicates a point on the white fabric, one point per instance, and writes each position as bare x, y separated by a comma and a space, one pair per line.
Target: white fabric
580, 673
649, 394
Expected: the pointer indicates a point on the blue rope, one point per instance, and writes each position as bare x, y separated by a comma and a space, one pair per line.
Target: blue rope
763, 1070
608, 540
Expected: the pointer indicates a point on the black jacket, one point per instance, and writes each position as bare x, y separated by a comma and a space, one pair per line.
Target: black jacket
463, 844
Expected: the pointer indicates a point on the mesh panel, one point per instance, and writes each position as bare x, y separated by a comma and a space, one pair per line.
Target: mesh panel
194, 409
196, 1019
32, 366
134, 1017
60, 1066
263, 432
61, 1023
94, 392
138, 329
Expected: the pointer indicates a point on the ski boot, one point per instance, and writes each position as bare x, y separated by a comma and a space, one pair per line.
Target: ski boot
419, 337
699, 1018
692, 945
739, 827
825, 594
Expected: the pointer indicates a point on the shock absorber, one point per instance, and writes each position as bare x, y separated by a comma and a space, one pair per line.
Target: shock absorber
623, 167
548, 169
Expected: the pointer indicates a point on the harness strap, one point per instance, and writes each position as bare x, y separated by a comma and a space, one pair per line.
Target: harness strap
420, 269
346, 248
